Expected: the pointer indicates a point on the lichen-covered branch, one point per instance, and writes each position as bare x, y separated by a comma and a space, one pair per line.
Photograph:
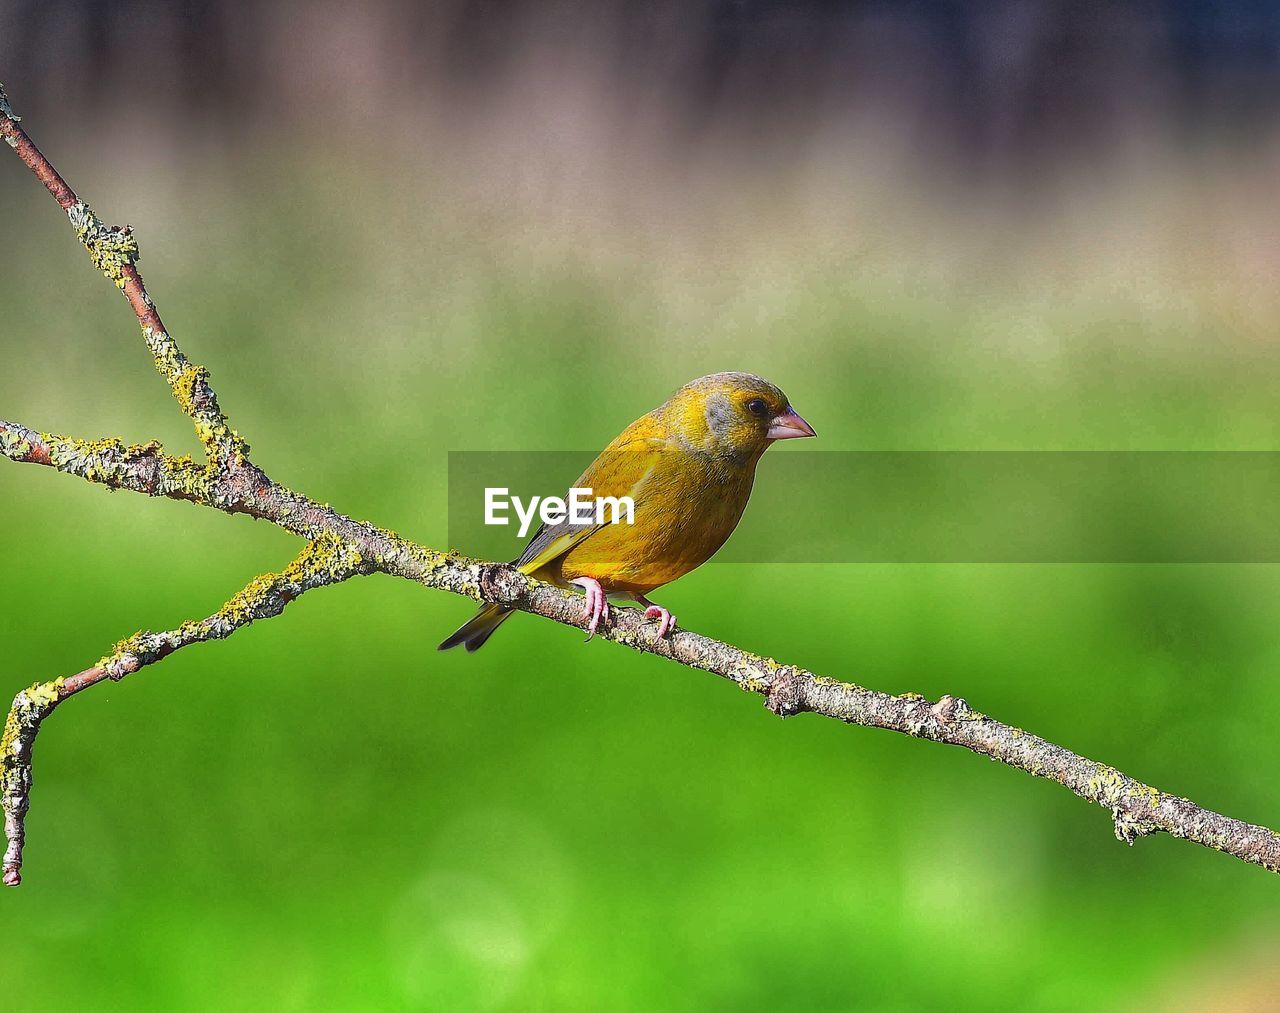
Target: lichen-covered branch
114, 252
339, 547
113, 463
326, 560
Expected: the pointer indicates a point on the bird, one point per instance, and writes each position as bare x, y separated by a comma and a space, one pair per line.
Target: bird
688, 466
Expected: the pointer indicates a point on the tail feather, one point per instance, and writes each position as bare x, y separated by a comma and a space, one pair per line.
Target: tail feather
479, 628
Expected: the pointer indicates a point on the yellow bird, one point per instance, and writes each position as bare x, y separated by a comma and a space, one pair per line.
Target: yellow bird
688, 466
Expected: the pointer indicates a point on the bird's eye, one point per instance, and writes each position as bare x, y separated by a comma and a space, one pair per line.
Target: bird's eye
756, 406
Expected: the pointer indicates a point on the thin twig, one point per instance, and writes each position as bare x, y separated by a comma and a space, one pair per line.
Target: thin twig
327, 560
339, 546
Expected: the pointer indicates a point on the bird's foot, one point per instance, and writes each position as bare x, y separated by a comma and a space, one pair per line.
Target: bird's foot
666, 621
597, 605
652, 610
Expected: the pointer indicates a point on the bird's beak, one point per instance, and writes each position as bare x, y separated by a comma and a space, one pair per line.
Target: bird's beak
789, 426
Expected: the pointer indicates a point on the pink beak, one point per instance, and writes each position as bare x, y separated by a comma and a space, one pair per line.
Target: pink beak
789, 426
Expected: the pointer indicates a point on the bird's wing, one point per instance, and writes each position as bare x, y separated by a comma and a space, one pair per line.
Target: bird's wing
620, 470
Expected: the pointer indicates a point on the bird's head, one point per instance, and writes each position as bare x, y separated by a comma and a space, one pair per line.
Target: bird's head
735, 415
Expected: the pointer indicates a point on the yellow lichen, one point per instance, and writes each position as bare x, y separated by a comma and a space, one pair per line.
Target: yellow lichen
168, 359
325, 560
10, 736
28, 706
250, 599
1153, 794
185, 385
14, 447
191, 631
327, 556
111, 250
136, 645
45, 694
1107, 785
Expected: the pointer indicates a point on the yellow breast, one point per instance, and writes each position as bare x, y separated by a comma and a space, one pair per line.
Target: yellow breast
688, 511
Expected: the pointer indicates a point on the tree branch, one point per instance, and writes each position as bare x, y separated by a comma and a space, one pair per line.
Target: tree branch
340, 547
327, 560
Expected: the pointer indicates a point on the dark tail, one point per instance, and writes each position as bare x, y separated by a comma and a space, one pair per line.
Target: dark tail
479, 628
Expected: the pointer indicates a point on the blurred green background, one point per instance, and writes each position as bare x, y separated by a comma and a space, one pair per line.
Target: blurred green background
381, 266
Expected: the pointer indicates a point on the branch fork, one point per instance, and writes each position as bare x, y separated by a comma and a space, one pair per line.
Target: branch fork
337, 547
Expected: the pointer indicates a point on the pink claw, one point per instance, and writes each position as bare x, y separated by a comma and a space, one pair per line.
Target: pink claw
666, 621
597, 605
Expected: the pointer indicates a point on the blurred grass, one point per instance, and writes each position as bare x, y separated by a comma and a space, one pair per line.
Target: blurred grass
323, 812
